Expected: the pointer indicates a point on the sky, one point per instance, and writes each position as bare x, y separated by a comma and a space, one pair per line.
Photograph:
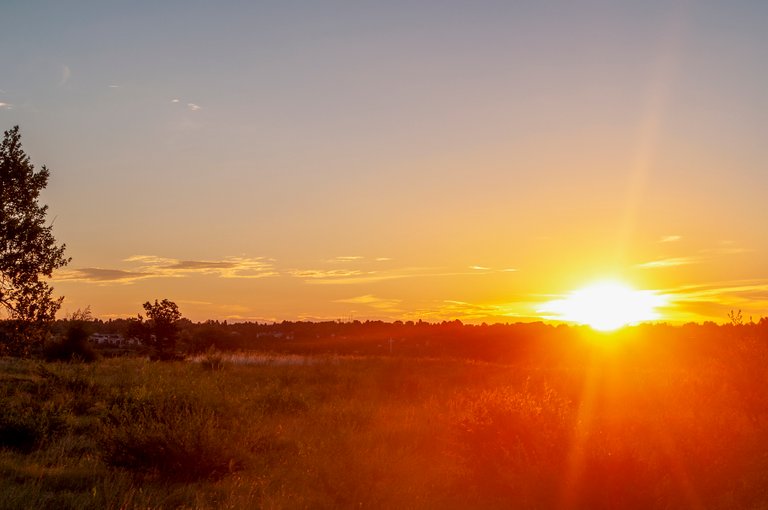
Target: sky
469, 160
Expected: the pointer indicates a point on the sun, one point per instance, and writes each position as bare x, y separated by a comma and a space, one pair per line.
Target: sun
605, 306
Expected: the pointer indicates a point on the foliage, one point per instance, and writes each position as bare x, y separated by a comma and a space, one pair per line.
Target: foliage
167, 438
27, 424
74, 345
28, 250
160, 330
641, 423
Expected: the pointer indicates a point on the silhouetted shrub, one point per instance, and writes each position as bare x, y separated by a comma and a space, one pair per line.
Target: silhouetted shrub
73, 346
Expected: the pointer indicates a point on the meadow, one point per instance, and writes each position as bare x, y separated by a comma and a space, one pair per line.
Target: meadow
610, 428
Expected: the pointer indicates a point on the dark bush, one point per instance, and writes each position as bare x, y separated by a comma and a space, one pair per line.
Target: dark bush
167, 438
25, 427
73, 346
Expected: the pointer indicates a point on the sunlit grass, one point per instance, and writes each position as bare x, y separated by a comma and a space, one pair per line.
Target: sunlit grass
266, 431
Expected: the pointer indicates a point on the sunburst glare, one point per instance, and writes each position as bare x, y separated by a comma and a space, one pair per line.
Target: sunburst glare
605, 306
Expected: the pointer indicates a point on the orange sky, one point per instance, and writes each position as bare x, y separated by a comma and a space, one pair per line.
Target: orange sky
467, 160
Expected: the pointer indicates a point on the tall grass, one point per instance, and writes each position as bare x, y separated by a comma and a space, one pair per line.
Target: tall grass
381, 433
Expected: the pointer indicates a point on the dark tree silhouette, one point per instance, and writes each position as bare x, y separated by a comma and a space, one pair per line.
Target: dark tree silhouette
160, 331
28, 251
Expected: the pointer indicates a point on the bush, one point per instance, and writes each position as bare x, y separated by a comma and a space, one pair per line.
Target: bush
25, 426
167, 438
73, 346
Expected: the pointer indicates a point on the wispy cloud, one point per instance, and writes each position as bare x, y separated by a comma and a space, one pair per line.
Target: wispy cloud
346, 258
485, 269
717, 290
475, 312
714, 300
382, 304
6, 106
193, 107
358, 276
113, 86
174, 100
670, 239
331, 274
95, 274
229, 267
723, 248
668, 262
150, 266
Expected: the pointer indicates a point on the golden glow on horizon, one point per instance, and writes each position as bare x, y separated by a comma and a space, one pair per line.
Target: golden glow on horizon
606, 306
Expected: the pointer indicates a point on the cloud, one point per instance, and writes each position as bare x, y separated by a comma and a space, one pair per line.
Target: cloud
150, 266
670, 239
717, 290
382, 259
113, 86
724, 248
193, 107
357, 276
174, 100
313, 274
669, 262
348, 258
229, 267
474, 312
492, 270
388, 305
200, 265
6, 106
95, 274
712, 301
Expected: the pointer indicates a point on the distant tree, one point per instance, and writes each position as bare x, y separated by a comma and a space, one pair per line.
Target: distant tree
28, 251
73, 344
160, 330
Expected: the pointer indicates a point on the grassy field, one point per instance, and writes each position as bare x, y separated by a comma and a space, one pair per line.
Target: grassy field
327, 432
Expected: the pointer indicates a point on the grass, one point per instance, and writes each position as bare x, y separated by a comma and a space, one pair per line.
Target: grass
225, 432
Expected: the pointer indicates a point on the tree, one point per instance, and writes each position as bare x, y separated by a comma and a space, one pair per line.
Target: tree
73, 344
161, 329
28, 251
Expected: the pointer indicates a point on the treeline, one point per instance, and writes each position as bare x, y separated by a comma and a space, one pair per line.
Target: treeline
535, 341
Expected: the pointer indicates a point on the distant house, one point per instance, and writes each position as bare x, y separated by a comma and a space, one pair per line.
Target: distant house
112, 339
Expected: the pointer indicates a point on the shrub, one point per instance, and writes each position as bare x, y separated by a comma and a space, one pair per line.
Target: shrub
167, 438
25, 426
73, 346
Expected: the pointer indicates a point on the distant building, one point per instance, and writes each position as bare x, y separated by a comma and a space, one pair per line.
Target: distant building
112, 339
